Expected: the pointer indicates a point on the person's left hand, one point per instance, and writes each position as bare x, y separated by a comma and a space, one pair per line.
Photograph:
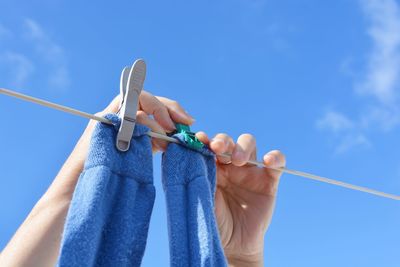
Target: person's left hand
37, 241
245, 197
158, 113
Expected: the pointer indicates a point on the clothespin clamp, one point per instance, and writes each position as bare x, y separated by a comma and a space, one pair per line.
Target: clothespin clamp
131, 85
122, 85
188, 137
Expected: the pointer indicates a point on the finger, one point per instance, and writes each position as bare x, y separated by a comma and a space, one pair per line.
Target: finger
220, 144
85, 139
202, 136
244, 149
114, 105
175, 110
275, 159
253, 155
152, 106
158, 144
111, 108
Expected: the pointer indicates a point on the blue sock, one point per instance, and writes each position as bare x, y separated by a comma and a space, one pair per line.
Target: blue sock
108, 219
189, 179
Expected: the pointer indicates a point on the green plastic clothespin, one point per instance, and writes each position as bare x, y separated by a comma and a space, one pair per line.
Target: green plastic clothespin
189, 137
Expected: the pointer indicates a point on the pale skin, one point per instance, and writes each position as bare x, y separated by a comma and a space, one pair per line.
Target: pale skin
244, 200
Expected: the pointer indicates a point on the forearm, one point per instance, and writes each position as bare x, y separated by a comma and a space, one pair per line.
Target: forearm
37, 241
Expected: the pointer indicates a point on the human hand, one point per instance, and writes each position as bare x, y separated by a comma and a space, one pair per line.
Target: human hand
164, 113
244, 198
37, 241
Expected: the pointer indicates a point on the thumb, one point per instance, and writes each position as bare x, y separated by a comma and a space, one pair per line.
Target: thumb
113, 106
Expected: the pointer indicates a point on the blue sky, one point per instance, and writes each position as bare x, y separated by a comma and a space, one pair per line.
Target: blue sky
318, 80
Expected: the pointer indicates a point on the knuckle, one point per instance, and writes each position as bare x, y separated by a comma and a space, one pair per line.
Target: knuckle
174, 103
141, 117
161, 98
223, 160
140, 114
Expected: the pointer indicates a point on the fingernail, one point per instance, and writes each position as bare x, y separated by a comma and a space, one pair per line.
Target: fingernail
170, 131
171, 126
218, 144
188, 116
269, 160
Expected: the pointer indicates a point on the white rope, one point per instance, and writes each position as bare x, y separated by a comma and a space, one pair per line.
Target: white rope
227, 155
53, 105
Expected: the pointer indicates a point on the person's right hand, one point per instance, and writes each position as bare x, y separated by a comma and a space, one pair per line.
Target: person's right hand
244, 198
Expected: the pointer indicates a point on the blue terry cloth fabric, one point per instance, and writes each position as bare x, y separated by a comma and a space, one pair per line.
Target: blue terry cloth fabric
189, 180
108, 219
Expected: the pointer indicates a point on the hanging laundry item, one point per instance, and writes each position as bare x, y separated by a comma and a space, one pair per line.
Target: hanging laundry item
189, 180
108, 219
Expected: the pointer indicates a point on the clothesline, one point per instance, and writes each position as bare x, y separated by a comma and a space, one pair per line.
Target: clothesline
170, 139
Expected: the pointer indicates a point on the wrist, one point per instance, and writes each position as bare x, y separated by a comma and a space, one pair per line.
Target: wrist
236, 259
243, 262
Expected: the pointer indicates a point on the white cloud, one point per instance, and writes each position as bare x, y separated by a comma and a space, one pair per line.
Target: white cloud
380, 117
51, 52
351, 141
59, 78
34, 51
346, 131
17, 66
335, 122
383, 72
381, 80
